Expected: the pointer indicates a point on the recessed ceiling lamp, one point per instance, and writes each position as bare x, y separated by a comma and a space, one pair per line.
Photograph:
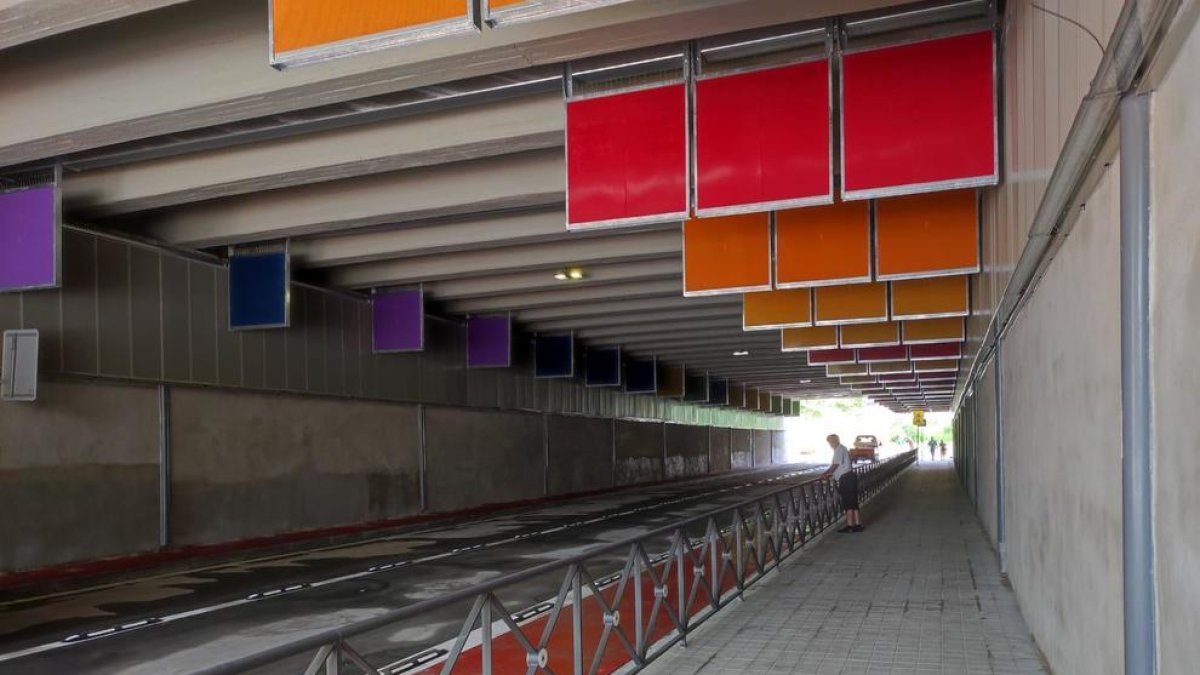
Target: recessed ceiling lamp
570, 274
805, 381
741, 352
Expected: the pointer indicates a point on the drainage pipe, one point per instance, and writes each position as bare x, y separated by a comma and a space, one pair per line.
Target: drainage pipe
1136, 458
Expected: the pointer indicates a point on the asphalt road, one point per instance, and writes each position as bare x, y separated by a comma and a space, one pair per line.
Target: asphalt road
180, 621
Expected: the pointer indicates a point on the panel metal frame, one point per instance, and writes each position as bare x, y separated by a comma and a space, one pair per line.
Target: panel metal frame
287, 291
574, 347
620, 369
865, 279
55, 182
779, 326
931, 186
631, 221
421, 294
694, 192
770, 285
468, 24
935, 315
467, 342
887, 305
973, 269
653, 360
536, 10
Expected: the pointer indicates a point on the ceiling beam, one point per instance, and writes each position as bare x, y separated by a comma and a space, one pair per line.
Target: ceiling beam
23, 21
658, 269
524, 180
485, 262
673, 300
638, 318
456, 135
576, 295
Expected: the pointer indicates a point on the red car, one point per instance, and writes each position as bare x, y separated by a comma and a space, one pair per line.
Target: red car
866, 447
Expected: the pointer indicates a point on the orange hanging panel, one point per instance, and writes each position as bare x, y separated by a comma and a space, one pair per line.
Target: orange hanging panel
727, 254
804, 339
777, 309
933, 330
882, 334
930, 297
851, 303
927, 235
823, 245
302, 25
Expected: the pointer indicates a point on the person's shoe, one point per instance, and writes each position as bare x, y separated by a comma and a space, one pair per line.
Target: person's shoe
846, 529
857, 528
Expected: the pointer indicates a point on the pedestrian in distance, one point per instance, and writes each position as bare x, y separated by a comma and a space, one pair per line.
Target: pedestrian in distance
942, 449
932, 448
847, 483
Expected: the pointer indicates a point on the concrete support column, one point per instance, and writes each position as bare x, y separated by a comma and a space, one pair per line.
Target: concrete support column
1137, 457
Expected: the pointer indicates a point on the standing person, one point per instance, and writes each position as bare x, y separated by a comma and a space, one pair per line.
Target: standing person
942, 449
847, 482
932, 448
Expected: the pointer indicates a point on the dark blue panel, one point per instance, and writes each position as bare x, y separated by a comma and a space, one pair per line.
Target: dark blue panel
258, 290
718, 391
603, 367
640, 377
695, 387
554, 356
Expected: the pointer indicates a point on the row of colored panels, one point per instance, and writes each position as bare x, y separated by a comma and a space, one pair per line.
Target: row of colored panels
882, 334
861, 305
916, 117
891, 370
908, 237
919, 352
310, 31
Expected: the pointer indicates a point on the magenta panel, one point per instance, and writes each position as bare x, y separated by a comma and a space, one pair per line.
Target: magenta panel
881, 354
830, 356
936, 350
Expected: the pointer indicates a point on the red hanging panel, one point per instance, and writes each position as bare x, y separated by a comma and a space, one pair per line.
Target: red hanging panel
919, 117
763, 139
937, 350
828, 356
627, 158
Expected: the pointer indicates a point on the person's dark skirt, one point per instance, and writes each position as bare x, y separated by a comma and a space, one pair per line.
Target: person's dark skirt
848, 487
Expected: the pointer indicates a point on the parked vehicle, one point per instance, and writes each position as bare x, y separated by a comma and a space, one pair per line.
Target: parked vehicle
866, 448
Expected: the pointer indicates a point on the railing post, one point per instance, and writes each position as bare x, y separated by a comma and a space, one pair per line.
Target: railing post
638, 632
577, 620
485, 633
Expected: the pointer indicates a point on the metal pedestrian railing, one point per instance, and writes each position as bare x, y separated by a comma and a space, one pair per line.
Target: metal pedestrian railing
706, 562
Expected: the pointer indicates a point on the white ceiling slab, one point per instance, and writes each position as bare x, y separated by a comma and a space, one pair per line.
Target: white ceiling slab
23, 21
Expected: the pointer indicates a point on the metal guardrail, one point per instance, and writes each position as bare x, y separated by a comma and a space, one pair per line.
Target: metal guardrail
710, 560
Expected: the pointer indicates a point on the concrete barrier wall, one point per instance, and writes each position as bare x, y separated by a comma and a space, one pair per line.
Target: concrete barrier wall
762, 447
78, 474
640, 452
249, 465
742, 448
719, 449
686, 451
1175, 323
477, 457
1062, 443
580, 452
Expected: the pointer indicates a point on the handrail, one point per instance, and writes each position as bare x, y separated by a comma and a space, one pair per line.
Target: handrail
338, 636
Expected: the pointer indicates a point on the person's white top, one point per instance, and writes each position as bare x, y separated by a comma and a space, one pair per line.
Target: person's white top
841, 457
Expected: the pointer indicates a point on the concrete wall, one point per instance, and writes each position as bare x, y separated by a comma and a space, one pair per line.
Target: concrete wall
1062, 441
762, 447
742, 443
686, 451
78, 474
1175, 323
719, 458
580, 454
985, 452
247, 464
778, 447
640, 452
476, 457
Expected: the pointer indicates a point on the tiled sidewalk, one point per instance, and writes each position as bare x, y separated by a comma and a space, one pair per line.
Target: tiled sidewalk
917, 593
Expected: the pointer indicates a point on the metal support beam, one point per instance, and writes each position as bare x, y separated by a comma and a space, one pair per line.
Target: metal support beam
1137, 494
164, 466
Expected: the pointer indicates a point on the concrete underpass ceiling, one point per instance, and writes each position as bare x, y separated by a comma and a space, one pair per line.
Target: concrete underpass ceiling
409, 166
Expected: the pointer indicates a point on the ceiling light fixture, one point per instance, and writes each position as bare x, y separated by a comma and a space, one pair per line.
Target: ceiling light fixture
570, 274
741, 352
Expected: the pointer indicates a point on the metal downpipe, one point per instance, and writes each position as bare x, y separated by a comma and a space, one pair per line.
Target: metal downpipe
1136, 456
